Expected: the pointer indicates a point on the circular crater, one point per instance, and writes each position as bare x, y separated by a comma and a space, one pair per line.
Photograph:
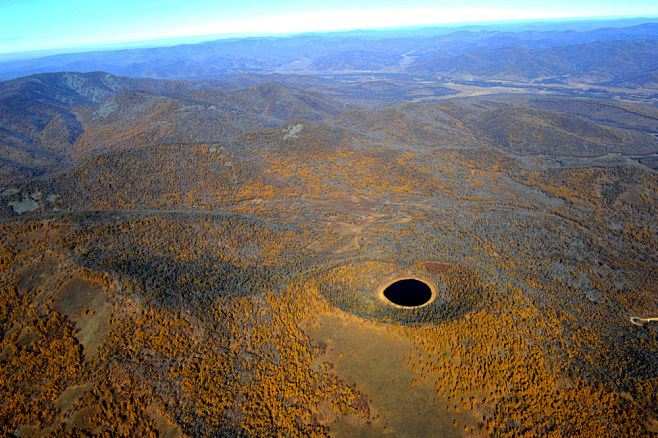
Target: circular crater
408, 292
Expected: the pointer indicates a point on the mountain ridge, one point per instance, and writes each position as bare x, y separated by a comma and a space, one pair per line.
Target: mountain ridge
311, 53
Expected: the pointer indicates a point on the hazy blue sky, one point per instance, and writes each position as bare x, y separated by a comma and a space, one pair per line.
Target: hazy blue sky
49, 24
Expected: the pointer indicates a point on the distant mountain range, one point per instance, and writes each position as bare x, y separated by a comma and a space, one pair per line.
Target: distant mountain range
628, 54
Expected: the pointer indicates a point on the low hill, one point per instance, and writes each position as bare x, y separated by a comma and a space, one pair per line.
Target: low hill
525, 126
608, 62
47, 120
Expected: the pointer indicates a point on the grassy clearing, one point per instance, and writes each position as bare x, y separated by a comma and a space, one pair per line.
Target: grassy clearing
84, 303
365, 355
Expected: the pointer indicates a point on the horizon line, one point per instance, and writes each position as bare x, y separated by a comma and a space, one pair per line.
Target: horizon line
173, 41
